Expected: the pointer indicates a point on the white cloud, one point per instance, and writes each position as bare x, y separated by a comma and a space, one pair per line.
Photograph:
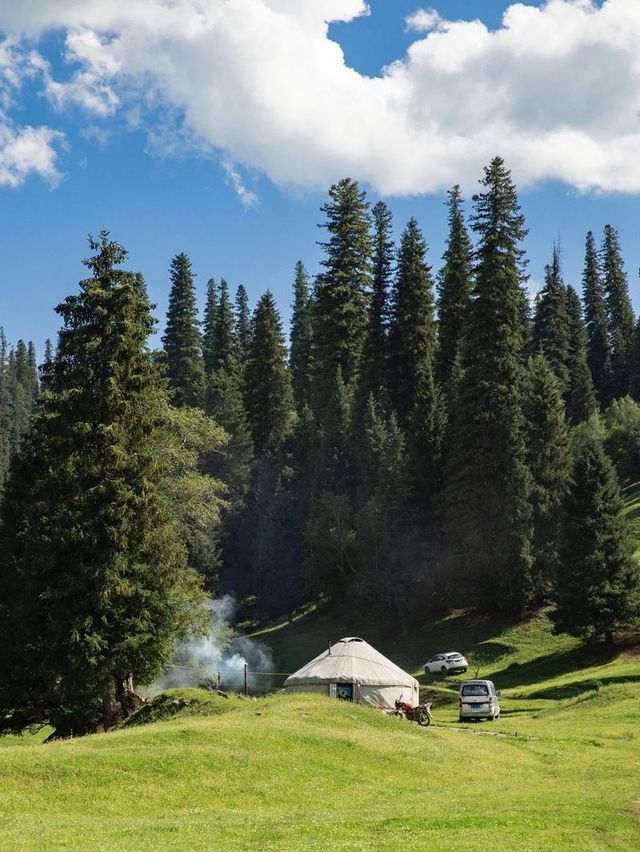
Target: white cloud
247, 197
28, 150
424, 20
555, 89
24, 150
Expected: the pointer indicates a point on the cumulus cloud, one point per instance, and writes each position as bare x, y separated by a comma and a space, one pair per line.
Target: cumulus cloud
555, 89
24, 150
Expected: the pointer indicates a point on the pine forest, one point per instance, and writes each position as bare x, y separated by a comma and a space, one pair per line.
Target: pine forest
424, 436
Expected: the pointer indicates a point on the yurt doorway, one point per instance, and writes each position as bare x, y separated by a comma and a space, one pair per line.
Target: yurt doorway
343, 691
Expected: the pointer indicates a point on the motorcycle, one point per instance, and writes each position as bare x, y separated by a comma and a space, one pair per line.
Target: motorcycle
421, 713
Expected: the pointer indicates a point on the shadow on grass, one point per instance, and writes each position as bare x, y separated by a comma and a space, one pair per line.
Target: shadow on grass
554, 665
577, 687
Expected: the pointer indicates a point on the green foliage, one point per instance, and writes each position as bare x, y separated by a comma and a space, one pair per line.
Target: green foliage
425, 442
622, 440
598, 584
226, 348
209, 328
95, 585
620, 312
454, 290
268, 392
373, 376
412, 334
547, 457
301, 354
581, 400
487, 514
181, 341
243, 320
550, 323
595, 315
341, 291
194, 498
19, 389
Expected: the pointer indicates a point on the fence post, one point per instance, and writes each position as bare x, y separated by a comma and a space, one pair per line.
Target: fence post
246, 691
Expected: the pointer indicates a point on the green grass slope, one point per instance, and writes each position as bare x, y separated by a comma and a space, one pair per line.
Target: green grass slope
559, 770
308, 772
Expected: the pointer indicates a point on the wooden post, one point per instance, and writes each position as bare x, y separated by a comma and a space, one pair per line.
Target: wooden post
329, 648
219, 680
246, 691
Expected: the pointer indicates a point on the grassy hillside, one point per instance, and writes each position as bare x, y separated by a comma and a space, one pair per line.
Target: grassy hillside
559, 770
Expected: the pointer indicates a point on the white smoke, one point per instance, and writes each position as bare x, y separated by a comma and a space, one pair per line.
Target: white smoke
220, 655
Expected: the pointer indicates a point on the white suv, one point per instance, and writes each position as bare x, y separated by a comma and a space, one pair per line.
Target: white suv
478, 699
447, 663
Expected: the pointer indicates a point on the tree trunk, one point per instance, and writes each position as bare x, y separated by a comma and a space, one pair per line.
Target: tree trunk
608, 637
109, 717
127, 699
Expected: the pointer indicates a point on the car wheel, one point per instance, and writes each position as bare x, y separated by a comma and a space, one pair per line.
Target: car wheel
443, 670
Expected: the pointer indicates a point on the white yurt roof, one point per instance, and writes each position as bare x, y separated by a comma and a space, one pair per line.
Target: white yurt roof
351, 660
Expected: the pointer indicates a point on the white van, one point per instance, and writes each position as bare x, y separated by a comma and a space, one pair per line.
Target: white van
478, 699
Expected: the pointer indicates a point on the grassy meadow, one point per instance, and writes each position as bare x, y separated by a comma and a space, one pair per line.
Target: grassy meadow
559, 770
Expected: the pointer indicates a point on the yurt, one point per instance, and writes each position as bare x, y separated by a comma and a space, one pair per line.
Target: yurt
354, 671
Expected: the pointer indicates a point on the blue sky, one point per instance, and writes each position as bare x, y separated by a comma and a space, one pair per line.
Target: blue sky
227, 153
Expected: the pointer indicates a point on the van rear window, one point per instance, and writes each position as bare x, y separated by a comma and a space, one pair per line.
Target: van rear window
475, 689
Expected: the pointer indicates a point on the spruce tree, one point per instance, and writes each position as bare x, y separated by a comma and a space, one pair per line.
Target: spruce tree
268, 381
634, 379
425, 436
94, 582
341, 291
581, 400
373, 372
595, 316
620, 312
209, 328
487, 514
597, 587
454, 289
226, 353
5, 410
181, 340
547, 457
301, 338
412, 335
243, 320
550, 332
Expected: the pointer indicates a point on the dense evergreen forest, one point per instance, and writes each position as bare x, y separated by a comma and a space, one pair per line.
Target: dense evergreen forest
427, 440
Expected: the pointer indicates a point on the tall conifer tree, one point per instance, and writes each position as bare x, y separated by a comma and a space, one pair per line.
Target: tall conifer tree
547, 456
300, 357
595, 316
550, 334
209, 328
620, 312
268, 381
182, 343
488, 519
342, 290
580, 397
373, 377
454, 290
598, 585
95, 587
243, 319
412, 334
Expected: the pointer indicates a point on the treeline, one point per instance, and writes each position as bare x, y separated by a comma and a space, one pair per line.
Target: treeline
415, 448
18, 394
426, 441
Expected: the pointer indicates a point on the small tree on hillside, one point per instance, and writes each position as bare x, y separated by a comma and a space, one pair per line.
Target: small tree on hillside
598, 584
